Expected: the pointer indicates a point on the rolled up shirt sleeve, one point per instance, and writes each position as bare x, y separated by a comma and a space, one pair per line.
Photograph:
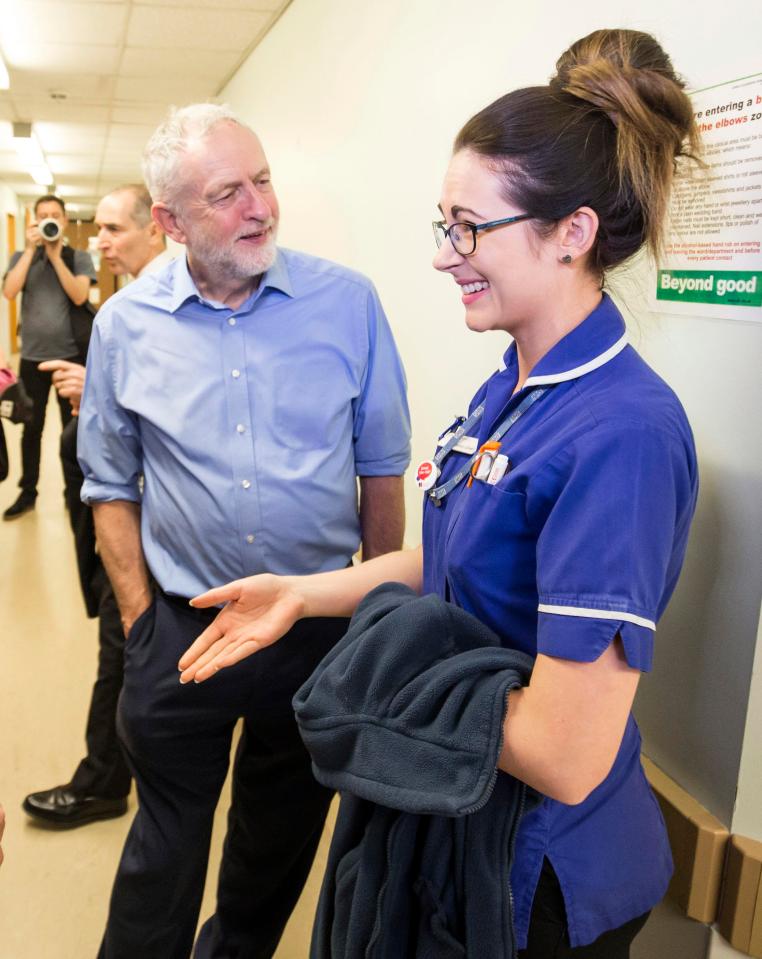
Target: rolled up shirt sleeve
381, 414
614, 510
108, 436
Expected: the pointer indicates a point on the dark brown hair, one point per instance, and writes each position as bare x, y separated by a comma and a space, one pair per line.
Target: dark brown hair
49, 198
605, 133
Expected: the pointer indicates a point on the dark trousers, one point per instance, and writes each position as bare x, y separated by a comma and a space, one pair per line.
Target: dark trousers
548, 933
103, 771
177, 740
37, 385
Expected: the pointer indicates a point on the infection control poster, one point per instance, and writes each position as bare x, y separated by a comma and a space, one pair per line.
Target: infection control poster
712, 263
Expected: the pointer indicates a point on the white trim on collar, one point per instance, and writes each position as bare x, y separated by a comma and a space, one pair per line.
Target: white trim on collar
596, 614
578, 371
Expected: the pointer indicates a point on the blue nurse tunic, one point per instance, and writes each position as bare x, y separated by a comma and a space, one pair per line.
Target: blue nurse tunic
583, 538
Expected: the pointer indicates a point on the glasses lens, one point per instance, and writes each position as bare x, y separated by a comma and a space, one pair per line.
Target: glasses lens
439, 233
462, 237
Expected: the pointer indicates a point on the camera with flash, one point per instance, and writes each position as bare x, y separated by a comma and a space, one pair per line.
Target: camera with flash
50, 229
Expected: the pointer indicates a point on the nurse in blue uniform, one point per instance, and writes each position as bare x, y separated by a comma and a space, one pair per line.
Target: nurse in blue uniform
558, 507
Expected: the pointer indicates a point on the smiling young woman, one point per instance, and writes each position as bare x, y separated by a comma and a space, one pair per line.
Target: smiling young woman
571, 549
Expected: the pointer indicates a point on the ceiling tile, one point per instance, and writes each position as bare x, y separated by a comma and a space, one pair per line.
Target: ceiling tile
125, 134
142, 62
176, 89
119, 64
71, 165
9, 162
242, 5
60, 87
150, 114
77, 138
73, 111
26, 25
202, 29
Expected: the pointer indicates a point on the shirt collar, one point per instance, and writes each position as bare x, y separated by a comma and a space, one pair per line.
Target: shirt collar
155, 264
597, 339
184, 289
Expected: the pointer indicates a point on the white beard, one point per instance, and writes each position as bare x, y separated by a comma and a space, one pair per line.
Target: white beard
231, 260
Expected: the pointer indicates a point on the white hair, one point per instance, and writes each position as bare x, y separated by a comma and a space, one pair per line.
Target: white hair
171, 139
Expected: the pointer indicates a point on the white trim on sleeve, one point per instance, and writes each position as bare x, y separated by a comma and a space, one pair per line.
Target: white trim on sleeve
596, 614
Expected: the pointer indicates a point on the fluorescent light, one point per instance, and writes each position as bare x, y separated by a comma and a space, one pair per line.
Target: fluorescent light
31, 155
5, 80
41, 175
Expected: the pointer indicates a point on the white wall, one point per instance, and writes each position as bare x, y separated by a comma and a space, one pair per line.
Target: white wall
357, 105
8, 204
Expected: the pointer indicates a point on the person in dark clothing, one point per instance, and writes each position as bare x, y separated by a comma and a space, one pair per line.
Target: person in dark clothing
49, 286
132, 245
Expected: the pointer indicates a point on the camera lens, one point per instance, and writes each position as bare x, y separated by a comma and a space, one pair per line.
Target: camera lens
50, 228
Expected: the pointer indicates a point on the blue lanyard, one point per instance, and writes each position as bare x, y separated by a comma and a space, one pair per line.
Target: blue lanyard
438, 493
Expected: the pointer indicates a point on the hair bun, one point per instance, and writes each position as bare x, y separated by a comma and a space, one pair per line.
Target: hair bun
627, 75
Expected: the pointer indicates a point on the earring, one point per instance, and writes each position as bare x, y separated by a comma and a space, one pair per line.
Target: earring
566, 258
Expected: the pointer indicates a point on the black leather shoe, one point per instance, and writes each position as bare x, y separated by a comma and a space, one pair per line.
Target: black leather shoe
23, 504
63, 808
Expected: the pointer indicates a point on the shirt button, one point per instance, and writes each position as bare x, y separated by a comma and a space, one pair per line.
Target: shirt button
246, 484
250, 538
240, 428
231, 321
235, 374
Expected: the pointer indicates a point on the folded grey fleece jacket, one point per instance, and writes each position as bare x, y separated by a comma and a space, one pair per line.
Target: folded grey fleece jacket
404, 717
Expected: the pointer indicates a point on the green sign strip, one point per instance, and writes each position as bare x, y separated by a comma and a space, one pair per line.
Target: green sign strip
732, 288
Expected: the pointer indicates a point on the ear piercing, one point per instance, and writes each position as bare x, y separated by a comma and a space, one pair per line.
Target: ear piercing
566, 258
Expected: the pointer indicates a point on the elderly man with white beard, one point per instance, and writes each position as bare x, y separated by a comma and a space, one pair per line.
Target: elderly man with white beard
231, 403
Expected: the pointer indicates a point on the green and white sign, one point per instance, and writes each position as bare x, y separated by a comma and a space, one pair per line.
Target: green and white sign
739, 288
712, 264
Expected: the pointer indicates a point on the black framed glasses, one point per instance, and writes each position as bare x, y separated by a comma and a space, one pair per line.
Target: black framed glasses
463, 235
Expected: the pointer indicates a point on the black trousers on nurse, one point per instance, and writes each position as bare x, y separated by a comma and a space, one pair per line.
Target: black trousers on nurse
177, 739
103, 771
548, 932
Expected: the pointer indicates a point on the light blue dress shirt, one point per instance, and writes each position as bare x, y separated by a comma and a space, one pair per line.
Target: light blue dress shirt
248, 426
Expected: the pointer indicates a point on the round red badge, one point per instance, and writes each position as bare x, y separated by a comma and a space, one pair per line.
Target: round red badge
427, 474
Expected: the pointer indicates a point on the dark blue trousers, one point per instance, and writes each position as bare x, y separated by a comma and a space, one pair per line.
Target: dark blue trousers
177, 740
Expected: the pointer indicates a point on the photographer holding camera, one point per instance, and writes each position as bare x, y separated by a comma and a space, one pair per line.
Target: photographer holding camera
52, 278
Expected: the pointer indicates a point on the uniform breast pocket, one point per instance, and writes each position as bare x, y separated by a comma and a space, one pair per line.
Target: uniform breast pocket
312, 404
492, 543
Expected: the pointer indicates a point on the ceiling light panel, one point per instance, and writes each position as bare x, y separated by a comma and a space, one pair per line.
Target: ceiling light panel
25, 26
69, 58
5, 80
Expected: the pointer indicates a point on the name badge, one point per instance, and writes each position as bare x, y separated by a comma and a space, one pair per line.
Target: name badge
466, 444
427, 474
499, 468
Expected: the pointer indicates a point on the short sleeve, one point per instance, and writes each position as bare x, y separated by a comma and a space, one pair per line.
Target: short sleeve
108, 436
83, 265
381, 429
614, 510
15, 257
